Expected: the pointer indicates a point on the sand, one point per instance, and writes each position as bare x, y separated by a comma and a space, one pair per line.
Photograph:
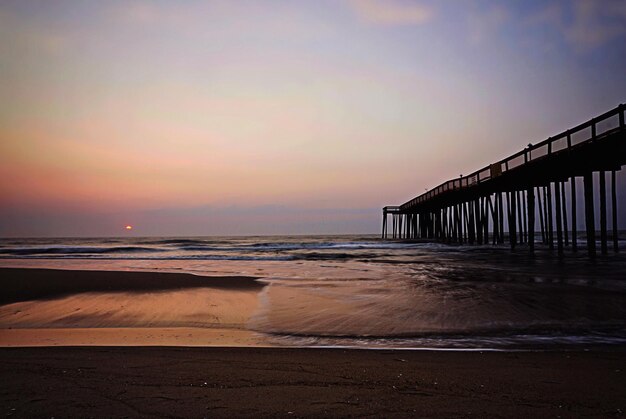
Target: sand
46, 307
150, 321
262, 382
30, 284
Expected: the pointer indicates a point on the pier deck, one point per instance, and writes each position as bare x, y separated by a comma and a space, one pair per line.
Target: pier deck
533, 182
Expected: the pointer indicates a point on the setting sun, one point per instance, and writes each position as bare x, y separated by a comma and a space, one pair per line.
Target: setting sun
128, 227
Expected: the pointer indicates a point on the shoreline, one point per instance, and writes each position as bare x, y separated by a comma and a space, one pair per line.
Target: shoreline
80, 348
23, 284
151, 337
50, 307
73, 307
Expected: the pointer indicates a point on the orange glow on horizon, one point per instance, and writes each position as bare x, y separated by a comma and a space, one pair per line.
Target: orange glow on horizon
128, 227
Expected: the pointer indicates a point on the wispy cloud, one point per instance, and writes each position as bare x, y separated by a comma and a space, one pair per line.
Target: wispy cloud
30, 38
596, 22
584, 24
392, 12
486, 24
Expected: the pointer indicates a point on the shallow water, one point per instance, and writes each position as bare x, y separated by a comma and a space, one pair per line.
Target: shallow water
364, 292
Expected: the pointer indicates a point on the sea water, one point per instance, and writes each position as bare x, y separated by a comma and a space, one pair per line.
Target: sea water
360, 291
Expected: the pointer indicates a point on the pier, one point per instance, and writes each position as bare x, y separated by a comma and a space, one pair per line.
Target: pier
524, 191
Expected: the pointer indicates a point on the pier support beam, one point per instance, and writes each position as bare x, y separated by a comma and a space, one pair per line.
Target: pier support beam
548, 205
559, 213
574, 227
512, 219
603, 236
541, 223
614, 212
564, 207
530, 205
500, 218
589, 214
384, 234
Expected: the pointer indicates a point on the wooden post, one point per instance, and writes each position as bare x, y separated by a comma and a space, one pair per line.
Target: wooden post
614, 213
589, 214
384, 224
543, 232
559, 214
574, 226
564, 206
446, 224
603, 236
416, 225
472, 215
453, 222
513, 221
548, 205
456, 222
476, 221
520, 226
431, 224
398, 221
487, 204
465, 221
530, 200
406, 225
501, 218
398, 225
462, 236
525, 213
494, 218
483, 220
394, 219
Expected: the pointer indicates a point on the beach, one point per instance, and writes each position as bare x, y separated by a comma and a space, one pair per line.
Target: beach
49, 307
129, 343
353, 208
289, 382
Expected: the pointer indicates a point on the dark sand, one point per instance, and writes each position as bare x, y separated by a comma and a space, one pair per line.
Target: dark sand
32, 284
234, 382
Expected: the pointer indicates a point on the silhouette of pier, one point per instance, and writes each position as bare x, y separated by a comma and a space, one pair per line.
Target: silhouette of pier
512, 194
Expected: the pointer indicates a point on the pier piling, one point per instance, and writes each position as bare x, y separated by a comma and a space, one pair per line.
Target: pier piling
471, 209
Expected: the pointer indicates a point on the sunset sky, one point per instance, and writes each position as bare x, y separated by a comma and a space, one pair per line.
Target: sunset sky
279, 117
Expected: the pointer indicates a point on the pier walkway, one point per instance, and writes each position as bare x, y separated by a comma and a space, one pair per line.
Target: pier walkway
511, 194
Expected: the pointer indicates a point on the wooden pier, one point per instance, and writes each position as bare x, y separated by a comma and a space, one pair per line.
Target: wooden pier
513, 194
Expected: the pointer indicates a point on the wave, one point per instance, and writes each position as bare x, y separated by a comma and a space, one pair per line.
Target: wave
190, 257
461, 342
272, 247
185, 242
63, 250
102, 255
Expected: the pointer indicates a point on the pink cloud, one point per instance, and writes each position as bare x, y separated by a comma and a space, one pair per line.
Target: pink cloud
391, 12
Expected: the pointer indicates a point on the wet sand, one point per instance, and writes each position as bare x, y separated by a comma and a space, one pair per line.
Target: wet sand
236, 382
34, 284
124, 350
46, 307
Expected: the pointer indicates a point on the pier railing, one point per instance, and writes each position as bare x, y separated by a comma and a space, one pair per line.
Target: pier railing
589, 131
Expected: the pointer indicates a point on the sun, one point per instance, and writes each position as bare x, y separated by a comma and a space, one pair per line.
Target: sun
128, 227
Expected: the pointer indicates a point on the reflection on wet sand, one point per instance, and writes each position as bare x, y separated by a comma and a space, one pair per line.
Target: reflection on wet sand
175, 315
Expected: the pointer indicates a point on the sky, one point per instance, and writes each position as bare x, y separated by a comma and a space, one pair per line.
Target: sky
222, 117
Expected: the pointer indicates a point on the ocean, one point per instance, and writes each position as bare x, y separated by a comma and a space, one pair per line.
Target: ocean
360, 291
